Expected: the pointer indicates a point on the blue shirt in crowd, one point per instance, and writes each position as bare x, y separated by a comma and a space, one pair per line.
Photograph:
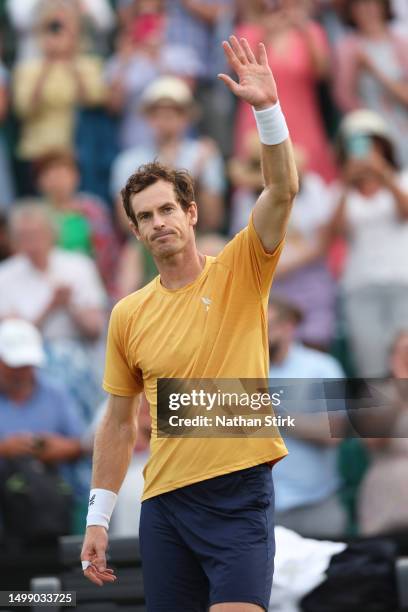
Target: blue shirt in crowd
309, 473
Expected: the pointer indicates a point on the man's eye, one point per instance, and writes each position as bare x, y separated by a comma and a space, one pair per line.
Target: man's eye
168, 209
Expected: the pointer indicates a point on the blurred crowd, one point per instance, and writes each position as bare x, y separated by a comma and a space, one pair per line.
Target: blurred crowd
92, 89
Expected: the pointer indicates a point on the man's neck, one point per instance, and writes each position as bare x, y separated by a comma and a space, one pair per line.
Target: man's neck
181, 269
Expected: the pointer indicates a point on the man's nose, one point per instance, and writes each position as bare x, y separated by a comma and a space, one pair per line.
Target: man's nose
158, 222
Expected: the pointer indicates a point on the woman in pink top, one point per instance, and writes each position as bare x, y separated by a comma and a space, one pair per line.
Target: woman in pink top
372, 68
299, 53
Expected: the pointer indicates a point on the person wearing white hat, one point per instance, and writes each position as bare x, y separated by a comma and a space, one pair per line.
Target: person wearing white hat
372, 213
37, 417
169, 109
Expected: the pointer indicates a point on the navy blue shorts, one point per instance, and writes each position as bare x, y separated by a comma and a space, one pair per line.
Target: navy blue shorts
209, 542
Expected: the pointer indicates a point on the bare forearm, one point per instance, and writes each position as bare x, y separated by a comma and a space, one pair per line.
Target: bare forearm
114, 444
279, 171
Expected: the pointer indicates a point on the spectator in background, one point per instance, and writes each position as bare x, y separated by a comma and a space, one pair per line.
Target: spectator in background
202, 25
142, 56
6, 178
302, 275
372, 68
331, 15
66, 301
299, 55
372, 214
168, 106
383, 499
83, 220
48, 89
97, 15
307, 482
37, 416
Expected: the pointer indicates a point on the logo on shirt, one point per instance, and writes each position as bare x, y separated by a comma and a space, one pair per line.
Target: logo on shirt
207, 303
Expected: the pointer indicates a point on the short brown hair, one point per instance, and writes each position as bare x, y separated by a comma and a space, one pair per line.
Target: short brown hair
348, 15
54, 158
149, 174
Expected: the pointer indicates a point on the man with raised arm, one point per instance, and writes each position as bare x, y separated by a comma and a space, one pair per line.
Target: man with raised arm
206, 527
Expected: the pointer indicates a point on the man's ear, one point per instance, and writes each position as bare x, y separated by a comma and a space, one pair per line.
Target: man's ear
193, 212
134, 230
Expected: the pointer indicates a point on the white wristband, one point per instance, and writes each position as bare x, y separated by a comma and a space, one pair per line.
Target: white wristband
271, 124
100, 508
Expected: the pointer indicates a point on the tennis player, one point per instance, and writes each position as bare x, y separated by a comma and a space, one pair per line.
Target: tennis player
206, 527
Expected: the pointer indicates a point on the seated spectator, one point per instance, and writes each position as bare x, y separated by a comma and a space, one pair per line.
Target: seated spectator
67, 302
6, 178
83, 220
168, 105
372, 214
98, 16
299, 55
37, 416
372, 68
307, 481
66, 296
48, 89
383, 500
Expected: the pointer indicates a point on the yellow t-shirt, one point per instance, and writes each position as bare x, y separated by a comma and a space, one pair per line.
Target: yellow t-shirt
158, 333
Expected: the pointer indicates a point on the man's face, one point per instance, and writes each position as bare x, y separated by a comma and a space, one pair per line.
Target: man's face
59, 181
162, 225
168, 120
15, 379
33, 237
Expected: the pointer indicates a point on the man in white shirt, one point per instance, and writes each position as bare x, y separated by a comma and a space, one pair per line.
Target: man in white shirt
58, 291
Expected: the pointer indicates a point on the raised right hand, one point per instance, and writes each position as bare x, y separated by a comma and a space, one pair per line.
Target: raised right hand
94, 551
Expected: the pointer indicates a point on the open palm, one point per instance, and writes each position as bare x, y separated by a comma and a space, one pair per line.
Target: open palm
256, 84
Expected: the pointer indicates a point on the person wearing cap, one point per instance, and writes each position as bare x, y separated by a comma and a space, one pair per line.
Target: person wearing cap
372, 214
169, 109
372, 68
307, 482
206, 526
37, 416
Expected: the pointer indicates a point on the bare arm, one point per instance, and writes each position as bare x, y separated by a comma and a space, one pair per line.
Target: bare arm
114, 443
257, 87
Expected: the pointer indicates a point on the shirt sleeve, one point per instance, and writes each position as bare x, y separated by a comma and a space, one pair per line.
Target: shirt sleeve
252, 267
120, 377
